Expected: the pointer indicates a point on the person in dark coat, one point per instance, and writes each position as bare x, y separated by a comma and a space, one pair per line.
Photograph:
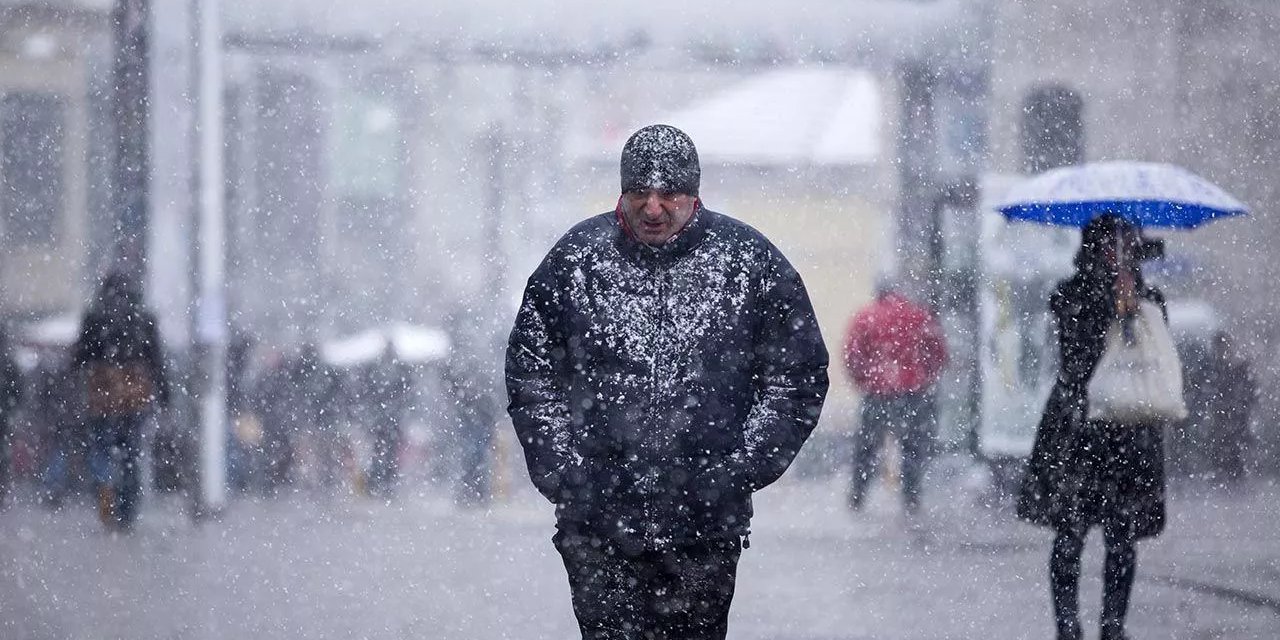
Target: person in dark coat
1085, 473
665, 363
119, 351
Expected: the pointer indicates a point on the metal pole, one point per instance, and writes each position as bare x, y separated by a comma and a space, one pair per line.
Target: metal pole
211, 308
917, 171
496, 149
130, 171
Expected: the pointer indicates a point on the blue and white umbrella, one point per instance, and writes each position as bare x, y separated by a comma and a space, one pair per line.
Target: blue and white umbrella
1148, 194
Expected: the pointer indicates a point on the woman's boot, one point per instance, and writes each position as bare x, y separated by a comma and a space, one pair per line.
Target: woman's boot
1117, 577
1064, 579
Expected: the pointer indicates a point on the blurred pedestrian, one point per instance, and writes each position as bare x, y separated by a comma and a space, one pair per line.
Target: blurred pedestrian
472, 386
1089, 473
57, 402
10, 395
665, 364
894, 352
120, 352
313, 395
388, 386
271, 400
1188, 458
242, 438
1229, 436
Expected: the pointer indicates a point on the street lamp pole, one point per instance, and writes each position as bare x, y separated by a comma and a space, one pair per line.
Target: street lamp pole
211, 319
130, 106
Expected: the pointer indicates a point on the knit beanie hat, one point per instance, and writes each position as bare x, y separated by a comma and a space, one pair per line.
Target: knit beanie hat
663, 158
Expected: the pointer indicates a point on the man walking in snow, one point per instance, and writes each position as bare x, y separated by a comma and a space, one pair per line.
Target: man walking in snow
664, 365
895, 352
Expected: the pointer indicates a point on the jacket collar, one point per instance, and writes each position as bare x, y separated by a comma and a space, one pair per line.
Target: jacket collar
678, 246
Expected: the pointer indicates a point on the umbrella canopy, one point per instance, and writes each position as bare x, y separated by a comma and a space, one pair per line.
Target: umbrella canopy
1147, 194
409, 343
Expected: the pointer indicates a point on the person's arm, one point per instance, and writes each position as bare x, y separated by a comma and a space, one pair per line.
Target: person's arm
536, 378
790, 376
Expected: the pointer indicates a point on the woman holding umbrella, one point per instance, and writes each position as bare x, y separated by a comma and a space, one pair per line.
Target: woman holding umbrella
1089, 473
1085, 471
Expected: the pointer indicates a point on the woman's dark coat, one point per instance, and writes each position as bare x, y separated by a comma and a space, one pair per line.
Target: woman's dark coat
1085, 473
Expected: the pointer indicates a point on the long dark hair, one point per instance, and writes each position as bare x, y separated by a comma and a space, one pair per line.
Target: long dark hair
1098, 235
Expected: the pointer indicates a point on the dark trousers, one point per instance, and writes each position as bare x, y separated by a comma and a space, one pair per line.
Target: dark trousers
678, 594
115, 452
910, 418
1117, 580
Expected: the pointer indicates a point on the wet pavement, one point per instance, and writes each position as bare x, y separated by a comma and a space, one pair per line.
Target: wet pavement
303, 566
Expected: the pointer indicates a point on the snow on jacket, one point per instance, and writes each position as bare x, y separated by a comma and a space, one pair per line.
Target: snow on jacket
894, 346
654, 388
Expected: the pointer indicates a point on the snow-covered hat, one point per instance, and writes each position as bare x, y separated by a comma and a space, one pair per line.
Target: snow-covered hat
663, 158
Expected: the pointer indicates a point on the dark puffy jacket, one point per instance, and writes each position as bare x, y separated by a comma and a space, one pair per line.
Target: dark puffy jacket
653, 389
119, 346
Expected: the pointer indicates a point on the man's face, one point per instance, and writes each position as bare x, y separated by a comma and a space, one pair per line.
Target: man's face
654, 216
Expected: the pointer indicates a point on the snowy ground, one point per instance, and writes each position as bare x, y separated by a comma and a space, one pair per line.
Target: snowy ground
349, 567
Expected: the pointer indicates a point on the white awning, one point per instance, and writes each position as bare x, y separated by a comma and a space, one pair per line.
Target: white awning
786, 117
409, 343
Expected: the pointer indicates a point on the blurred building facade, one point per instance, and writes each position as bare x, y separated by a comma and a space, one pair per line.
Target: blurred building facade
51, 166
411, 163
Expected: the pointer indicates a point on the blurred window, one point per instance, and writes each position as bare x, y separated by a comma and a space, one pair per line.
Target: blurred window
366, 139
1052, 129
31, 167
960, 112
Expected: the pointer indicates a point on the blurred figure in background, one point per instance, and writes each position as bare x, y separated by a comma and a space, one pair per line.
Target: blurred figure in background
388, 388
270, 401
10, 394
1229, 437
56, 403
120, 353
296, 402
472, 384
894, 352
243, 434
1187, 458
312, 398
